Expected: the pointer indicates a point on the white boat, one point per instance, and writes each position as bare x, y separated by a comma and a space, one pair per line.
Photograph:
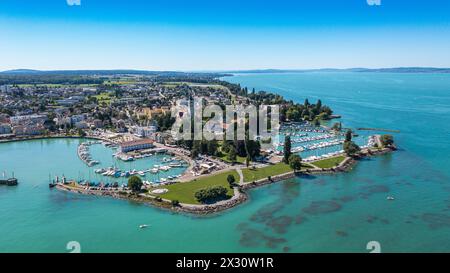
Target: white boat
143, 226
390, 198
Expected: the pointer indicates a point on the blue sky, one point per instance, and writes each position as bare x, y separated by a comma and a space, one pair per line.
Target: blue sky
222, 35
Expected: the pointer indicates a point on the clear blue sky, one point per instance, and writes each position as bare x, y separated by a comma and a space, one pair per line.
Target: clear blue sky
220, 35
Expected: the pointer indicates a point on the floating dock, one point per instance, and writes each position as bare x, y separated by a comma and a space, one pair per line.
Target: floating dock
9, 182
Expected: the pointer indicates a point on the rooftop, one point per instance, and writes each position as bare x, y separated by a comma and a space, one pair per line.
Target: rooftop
136, 142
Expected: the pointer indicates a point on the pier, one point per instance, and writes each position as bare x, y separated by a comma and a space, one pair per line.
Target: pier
379, 129
84, 155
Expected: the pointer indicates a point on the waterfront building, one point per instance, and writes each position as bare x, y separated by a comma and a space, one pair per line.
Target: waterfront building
5, 129
28, 119
136, 145
28, 130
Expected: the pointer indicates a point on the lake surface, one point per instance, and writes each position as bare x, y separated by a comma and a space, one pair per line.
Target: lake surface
332, 213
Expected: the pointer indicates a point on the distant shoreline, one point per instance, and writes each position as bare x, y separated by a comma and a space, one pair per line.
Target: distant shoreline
27, 138
28, 72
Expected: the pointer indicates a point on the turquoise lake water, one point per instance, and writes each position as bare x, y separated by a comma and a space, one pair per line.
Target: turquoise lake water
332, 213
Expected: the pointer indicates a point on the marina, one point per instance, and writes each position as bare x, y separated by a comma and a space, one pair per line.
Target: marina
313, 143
84, 154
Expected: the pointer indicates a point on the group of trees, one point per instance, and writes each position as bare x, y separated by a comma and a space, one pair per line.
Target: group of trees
387, 140
306, 111
289, 110
350, 147
211, 194
243, 148
165, 121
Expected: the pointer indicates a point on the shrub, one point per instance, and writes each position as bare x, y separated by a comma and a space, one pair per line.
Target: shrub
211, 194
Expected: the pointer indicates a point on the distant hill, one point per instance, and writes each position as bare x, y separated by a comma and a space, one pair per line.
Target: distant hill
19, 72
84, 72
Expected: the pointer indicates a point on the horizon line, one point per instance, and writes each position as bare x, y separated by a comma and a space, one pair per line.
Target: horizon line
24, 70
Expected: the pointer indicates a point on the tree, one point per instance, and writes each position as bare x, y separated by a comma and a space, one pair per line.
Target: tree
318, 106
175, 203
247, 161
348, 135
295, 161
194, 153
387, 140
351, 148
316, 121
212, 147
337, 126
226, 146
231, 180
135, 183
253, 149
81, 133
287, 149
232, 154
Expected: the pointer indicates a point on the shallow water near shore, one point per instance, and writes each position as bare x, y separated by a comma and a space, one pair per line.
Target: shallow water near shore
329, 213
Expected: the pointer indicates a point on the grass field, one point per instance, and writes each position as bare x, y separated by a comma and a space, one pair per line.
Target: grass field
239, 159
329, 162
251, 175
184, 192
104, 97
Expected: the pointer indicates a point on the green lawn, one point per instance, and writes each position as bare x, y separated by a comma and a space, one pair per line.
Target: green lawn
184, 192
239, 159
104, 97
251, 175
329, 162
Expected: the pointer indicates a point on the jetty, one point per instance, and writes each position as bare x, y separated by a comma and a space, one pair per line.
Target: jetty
379, 129
84, 154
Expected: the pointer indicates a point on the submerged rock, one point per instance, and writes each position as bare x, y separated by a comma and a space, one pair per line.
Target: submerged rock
436, 220
280, 224
321, 207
